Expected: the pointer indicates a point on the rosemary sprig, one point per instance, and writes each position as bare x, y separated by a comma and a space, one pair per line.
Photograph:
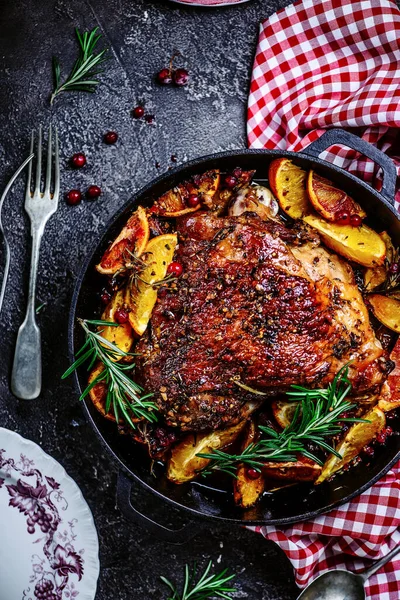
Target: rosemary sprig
208, 586
316, 418
85, 69
392, 281
123, 394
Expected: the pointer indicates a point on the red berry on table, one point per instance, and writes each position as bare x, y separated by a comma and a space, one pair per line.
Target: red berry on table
230, 181
93, 192
164, 76
252, 474
110, 137
181, 77
192, 201
343, 218
355, 220
175, 268
138, 112
121, 316
78, 160
73, 197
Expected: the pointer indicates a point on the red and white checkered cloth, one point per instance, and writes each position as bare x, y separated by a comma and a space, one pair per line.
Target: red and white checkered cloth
329, 63
210, 2
322, 64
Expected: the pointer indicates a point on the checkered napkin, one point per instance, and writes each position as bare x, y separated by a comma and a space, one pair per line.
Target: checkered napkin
329, 63
210, 2
322, 64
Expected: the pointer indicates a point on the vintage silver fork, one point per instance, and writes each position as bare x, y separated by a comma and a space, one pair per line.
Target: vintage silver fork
26, 378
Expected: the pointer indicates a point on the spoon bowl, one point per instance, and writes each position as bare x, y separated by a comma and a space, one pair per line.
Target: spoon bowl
335, 585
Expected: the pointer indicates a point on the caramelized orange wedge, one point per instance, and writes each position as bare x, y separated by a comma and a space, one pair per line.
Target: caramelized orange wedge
130, 243
288, 184
141, 297
329, 200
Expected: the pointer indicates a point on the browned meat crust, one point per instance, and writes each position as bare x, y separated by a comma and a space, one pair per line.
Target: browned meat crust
249, 309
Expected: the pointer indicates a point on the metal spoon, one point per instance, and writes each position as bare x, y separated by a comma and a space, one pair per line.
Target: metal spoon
5, 242
343, 585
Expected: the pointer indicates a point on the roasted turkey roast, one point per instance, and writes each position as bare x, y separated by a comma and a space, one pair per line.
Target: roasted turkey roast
261, 305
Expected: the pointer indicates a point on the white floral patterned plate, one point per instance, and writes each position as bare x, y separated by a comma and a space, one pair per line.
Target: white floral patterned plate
48, 541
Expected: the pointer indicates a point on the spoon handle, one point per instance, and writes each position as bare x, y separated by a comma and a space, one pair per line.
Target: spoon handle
376, 566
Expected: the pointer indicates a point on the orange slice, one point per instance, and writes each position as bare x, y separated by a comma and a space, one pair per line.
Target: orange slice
329, 200
283, 412
121, 336
131, 242
142, 297
288, 184
173, 202
98, 393
360, 244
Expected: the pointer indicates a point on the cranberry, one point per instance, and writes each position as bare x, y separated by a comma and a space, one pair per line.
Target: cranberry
237, 172
138, 112
253, 474
149, 118
73, 197
78, 160
394, 268
192, 201
110, 137
181, 77
355, 220
121, 316
230, 181
175, 268
174, 158
382, 436
343, 218
105, 297
164, 76
93, 192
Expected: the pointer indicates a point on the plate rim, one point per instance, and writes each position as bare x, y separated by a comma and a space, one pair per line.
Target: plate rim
92, 562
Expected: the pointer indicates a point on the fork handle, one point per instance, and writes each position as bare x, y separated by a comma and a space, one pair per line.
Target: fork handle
26, 378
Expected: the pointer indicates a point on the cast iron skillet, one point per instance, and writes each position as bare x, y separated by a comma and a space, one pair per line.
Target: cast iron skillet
291, 504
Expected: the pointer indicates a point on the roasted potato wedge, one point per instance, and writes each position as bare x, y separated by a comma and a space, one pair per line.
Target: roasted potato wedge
247, 491
376, 276
389, 398
184, 464
130, 242
386, 310
359, 244
329, 200
121, 336
304, 469
256, 199
288, 183
173, 202
142, 297
358, 436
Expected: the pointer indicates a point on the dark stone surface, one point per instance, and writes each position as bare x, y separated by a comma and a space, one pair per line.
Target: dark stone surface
207, 116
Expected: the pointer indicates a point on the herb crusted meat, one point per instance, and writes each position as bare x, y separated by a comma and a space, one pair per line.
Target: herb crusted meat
252, 309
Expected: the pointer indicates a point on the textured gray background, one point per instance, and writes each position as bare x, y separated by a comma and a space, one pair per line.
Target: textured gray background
208, 116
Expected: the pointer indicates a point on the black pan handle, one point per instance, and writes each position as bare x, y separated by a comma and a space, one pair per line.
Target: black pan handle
179, 536
340, 136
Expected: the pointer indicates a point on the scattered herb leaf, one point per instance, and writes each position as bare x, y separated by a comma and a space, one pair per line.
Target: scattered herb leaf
85, 69
207, 586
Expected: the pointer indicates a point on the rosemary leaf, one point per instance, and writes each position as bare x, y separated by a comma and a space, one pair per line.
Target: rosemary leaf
85, 69
317, 418
124, 396
207, 586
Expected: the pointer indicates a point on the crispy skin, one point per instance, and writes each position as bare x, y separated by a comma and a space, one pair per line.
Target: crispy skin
247, 309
